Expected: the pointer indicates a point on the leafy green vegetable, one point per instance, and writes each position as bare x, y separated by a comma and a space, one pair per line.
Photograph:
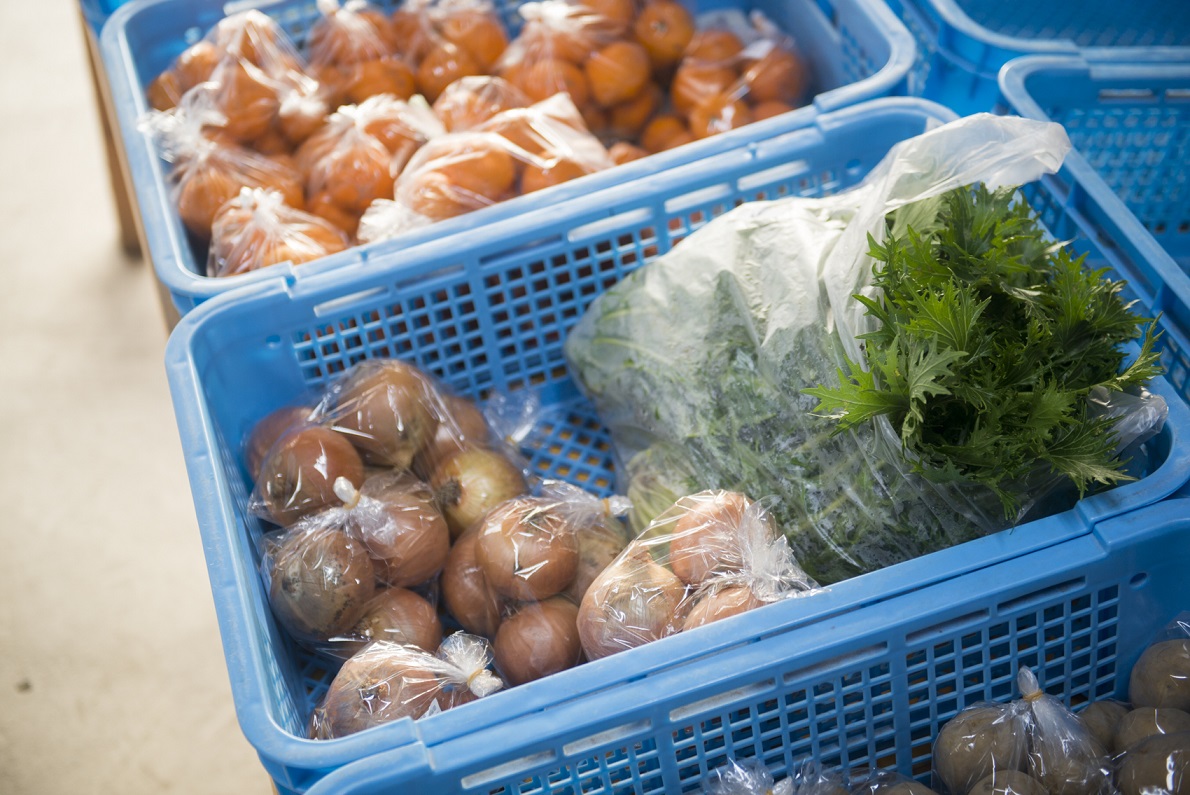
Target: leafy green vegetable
708, 364
988, 341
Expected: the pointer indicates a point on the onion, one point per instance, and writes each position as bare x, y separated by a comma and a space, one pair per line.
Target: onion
528, 549
382, 683
538, 640
720, 603
633, 602
705, 538
598, 546
466, 593
319, 582
471, 482
412, 542
299, 475
463, 426
386, 408
397, 615
266, 433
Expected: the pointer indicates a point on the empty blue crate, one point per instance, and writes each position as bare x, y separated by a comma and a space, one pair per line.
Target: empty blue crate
489, 313
856, 50
870, 688
961, 44
1129, 119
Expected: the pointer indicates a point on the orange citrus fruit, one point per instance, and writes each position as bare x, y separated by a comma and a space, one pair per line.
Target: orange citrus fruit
660, 130
481, 35
778, 76
627, 119
381, 76
550, 173
665, 28
442, 66
623, 152
767, 110
715, 45
718, 114
696, 80
549, 76
617, 72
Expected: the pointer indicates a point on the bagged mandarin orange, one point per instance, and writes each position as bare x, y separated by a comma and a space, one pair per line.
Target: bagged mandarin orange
209, 167
470, 101
354, 158
517, 151
734, 71
257, 229
353, 51
446, 40
255, 77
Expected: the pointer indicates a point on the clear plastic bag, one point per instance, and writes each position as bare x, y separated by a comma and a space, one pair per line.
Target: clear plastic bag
207, 169
884, 782
389, 681
517, 151
353, 159
703, 363
737, 70
747, 777
257, 229
469, 102
331, 599
257, 81
1062, 755
446, 40
518, 575
712, 555
353, 52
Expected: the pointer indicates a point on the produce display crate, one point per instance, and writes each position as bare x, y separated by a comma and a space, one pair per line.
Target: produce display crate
868, 688
490, 312
1129, 118
961, 44
856, 49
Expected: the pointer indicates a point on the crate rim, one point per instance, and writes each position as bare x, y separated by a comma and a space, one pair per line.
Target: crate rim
164, 231
1110, 537
1013, 81
213, 498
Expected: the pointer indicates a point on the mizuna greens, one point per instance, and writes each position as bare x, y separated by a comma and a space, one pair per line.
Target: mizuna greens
717, 367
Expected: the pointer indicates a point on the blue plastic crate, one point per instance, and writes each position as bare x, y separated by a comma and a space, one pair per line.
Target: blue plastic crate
96, 12
856, 49
490, 312
1129, 118
870, 687
961, 44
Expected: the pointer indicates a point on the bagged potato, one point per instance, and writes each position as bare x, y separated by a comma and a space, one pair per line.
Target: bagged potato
345, 576
747, 777
257, 229
712, 555
388, 681
518, 575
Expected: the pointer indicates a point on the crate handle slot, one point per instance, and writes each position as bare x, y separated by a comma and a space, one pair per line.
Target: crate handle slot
236, 6
932, 633
856, 657
1177, 94
620, 222
772, 175
1042, 597
599, 739
696, 197
1127, 95
337, 304
727, 698
521, 764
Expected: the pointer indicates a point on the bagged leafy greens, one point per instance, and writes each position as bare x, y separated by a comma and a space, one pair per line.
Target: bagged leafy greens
743, 359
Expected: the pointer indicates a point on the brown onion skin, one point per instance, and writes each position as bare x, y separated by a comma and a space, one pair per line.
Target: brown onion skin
397, 615
598, 545
387, 409
465, 591
721, 603
528, 549
379, 685
319, 582
463, 427
706, 536
650, 598
298, 477
540, 639
266, 433
417, 547
472, 482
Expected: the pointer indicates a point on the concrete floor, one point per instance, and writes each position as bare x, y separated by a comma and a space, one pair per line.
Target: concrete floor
112, 677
